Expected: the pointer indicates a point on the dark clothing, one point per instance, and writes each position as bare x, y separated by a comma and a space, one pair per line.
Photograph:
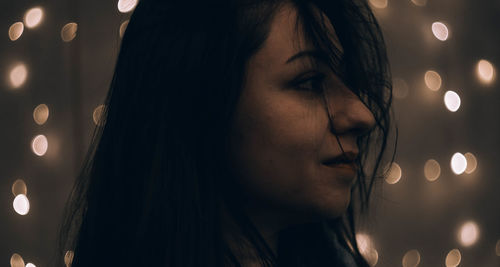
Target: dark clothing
344, 255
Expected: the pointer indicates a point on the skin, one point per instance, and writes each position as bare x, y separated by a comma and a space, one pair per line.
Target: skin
281, 136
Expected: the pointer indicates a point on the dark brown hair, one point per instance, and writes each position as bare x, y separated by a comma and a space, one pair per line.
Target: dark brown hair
147, 194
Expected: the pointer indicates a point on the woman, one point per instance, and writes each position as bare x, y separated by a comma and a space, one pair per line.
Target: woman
234, 135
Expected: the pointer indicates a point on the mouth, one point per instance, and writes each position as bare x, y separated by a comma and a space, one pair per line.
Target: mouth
345, 158
343, 165
346, 172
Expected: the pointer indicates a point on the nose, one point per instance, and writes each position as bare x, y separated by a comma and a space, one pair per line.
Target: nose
350, 115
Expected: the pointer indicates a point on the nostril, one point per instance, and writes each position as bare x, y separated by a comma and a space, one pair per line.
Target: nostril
364, 119
361, 131
365, 124
359, 121
349, 113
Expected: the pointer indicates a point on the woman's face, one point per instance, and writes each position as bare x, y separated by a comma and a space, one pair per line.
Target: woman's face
282, 136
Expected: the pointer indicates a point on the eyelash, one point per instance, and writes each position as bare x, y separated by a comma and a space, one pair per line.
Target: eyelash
315, 79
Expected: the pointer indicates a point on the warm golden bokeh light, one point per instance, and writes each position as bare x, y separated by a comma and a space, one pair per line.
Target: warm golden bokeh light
432, 170
21, 204
16, 30
440, 31
468, 234
432, 80
394, 174
68, 32
41, 114
471, 162
372, 257
379, 3
19, 187
411, 258
123, 27
367, 248
364, 242
419, 2
18, 75
68, 258
400, 88
453, 258
97, 115
39, 145
485, 71
452, 101
33, 17
458, 163
125, 6
16, 260
497, 248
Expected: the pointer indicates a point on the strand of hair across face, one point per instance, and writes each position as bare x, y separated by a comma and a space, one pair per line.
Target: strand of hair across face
331, 116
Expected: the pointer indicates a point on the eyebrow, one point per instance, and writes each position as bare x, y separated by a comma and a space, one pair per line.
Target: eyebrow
317, 54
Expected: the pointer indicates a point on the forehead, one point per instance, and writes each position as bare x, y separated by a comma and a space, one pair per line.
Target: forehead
286, 37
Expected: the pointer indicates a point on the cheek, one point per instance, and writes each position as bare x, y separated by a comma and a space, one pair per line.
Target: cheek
275, 150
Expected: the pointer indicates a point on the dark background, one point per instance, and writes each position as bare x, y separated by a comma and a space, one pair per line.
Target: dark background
72, 79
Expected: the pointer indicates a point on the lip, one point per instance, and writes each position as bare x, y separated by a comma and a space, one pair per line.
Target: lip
345, 171
350, 166
348, 157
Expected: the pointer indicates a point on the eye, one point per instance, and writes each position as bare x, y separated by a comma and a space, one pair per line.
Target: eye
312, 83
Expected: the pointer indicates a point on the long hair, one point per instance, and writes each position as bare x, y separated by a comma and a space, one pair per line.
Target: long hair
156, 174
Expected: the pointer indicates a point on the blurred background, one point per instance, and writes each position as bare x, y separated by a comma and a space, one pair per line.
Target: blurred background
440, 205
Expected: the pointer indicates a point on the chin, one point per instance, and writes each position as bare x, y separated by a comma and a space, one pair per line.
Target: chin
332, 209
327, 210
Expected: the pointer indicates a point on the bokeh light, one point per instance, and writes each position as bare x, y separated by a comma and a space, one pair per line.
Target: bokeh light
33, 17
485, 71
497, 248
41, 114
379, 3
458, 163
452, 101
39, 145
68, 258
400, 88
453, 258
16, 30
394, 174
440, 31
372, 257
16, 260
19, 187
468, 234
432, 170
21, 204
97, 115
123, 27
29, 264
367, 249
125, 6
432, 80
419, 2
18, 75
471, 162
68, 32
411, 258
